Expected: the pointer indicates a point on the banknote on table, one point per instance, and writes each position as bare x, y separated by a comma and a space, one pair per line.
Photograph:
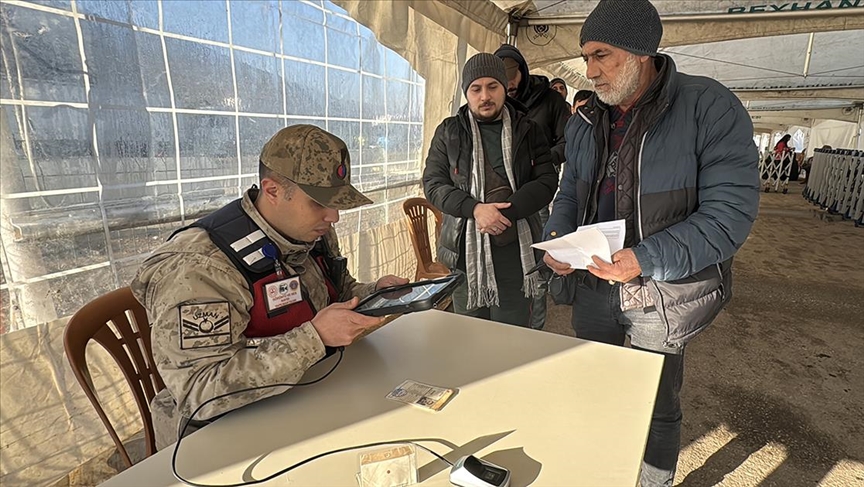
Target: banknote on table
422, 395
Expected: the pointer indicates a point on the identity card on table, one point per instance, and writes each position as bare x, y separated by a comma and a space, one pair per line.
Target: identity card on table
422, 395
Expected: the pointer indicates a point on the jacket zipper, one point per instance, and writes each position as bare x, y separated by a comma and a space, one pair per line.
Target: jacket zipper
594, 195
639, 175
584, 117
658, 306
639, 187
590, 123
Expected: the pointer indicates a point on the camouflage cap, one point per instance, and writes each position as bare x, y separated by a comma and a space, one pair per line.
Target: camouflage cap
317, 161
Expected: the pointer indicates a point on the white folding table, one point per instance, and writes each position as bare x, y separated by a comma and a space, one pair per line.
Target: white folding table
556, 411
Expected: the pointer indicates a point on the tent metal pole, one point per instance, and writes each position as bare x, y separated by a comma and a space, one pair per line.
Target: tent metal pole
809, 55
860, 127
512, 29
799, 14
797, 88
461, 54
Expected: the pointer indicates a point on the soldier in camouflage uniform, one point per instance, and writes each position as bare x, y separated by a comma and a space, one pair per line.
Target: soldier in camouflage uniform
251, 295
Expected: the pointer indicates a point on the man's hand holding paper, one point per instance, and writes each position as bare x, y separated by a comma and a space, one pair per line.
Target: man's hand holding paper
578, 248
624, 267
595, 248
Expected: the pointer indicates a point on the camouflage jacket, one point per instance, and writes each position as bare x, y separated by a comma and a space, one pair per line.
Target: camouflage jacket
189, 274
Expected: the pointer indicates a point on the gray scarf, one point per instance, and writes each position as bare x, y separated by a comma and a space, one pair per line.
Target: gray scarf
482, 287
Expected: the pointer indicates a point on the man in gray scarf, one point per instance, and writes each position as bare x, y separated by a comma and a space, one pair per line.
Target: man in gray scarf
489, 170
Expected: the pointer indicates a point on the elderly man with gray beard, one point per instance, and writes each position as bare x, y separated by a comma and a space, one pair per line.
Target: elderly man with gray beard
673, 156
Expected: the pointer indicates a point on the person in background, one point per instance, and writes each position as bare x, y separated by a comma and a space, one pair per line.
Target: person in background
537, 99
782, 145
581, 98
489, 170
673, 156
784, 152
560, 86
550, 111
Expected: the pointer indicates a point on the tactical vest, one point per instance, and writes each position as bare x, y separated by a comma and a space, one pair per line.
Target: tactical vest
243, 241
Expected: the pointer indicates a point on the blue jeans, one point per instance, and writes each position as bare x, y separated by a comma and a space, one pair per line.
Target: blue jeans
597, 316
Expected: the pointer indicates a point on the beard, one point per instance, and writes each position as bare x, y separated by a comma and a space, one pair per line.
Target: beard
480, 117
622, 87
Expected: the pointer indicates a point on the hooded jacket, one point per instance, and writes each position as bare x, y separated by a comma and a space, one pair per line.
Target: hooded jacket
542, 104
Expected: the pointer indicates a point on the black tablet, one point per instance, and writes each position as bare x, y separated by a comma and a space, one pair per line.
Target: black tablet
407, 298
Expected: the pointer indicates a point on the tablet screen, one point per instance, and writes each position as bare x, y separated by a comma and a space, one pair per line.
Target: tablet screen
403, 297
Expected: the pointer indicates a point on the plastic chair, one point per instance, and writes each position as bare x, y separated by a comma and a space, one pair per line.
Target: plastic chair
119, 323
417, 210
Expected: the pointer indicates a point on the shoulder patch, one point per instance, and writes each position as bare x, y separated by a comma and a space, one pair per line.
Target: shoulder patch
204, 325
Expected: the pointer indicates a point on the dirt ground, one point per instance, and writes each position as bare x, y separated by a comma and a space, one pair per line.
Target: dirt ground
774, 389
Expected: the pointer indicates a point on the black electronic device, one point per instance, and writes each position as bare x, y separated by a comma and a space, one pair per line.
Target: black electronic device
411, 297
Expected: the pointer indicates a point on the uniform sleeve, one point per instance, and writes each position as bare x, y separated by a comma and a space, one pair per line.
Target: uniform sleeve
199, 313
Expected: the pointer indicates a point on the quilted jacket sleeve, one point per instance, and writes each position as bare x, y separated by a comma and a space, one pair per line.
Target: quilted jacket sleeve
728, 194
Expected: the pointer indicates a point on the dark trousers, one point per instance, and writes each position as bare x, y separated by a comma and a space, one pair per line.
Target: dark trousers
597, 316
513, 307
538, 304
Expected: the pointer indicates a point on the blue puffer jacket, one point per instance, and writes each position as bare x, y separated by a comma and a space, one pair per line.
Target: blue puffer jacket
697, 193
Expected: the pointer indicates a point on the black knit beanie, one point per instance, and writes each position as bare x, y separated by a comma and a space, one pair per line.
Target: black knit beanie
483, 65
632, 25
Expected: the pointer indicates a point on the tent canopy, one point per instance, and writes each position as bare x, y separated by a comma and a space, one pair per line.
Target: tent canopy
745, 44
761, 49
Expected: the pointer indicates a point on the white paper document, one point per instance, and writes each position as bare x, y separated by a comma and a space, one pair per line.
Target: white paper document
614, 232
576, 249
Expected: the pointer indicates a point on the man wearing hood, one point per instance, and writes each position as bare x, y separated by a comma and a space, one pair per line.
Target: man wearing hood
550, 111
542, 104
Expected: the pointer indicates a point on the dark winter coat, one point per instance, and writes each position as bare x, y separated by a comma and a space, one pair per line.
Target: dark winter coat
447, 177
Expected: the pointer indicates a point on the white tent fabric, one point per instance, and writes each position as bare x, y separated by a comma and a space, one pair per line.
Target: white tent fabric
780, 62
763, 51
548, 37
775, 64
835, 133
434, 37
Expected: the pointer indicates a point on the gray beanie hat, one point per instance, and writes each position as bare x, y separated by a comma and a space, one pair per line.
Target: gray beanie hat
483, 65
632, 25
